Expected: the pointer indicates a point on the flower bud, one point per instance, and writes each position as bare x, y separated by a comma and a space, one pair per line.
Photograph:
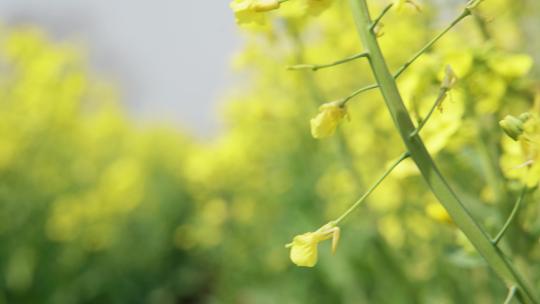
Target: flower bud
512, 126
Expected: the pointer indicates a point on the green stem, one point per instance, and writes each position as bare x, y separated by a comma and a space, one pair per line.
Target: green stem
430, 44
511, 294
315, 67
513, 214
378, 19
373, 187
440, 99
415, 57
345, 100
431, 174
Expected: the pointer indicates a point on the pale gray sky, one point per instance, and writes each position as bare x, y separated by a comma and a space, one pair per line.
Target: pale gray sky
169, 57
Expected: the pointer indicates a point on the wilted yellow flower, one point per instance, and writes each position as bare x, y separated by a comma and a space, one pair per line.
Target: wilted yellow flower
325, 123
304, 246
249, 11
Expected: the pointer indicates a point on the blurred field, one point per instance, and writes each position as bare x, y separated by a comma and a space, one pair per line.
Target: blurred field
96, 209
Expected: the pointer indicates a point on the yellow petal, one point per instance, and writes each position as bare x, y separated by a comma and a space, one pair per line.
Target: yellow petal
304, 250
325, 123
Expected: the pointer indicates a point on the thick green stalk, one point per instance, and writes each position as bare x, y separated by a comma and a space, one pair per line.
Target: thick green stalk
462, 218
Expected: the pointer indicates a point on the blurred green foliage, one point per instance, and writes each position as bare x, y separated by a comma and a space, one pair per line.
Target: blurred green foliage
95, 209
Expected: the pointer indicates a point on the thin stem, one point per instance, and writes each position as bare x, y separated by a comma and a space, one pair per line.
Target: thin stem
424, 49
440, 99
403, 156
282, 1
511, 293
423, 160
512, 216
378, 19
315, 67
417, 55
345, 100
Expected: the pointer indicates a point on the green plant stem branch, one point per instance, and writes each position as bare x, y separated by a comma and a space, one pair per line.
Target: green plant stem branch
415, 57
315, 67
466, 12
345, 100
419, 154
512, 216
440, 98
403, 156
511, 294
345, 150
378, 19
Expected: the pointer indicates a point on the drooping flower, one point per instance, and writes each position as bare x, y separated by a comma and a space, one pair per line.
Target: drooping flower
325, 123
304, 251
250, 11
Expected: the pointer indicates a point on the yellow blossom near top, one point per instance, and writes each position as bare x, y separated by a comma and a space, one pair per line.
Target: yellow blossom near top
304, 246
249, 11
325, 123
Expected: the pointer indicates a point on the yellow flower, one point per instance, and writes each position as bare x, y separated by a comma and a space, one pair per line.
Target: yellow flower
304, 246
249, 11
325, 123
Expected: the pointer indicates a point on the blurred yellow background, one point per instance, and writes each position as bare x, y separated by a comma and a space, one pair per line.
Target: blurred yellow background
98, 208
